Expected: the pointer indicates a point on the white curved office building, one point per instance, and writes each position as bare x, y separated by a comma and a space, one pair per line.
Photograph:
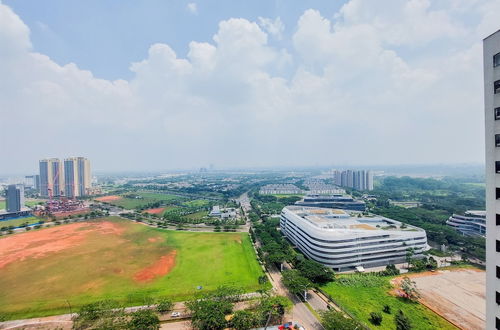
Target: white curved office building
472, 223
344, 242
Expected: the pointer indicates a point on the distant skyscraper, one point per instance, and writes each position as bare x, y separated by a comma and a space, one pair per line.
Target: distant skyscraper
77, 177
51, 177
491, 63
359, 180
32, 181
14, 198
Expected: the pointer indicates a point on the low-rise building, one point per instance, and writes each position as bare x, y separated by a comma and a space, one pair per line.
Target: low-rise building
344, 242
337, 201
472, 223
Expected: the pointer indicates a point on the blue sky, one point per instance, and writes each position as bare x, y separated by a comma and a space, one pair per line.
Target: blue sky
106, 36
158, 85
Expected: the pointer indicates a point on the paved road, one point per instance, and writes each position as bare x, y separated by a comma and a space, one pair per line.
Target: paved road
299, 313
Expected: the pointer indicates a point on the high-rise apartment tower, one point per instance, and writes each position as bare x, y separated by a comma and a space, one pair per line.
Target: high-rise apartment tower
51, 177
14, 198
491, 62
77, 178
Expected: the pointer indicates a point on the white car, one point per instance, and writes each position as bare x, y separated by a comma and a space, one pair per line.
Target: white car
176, 314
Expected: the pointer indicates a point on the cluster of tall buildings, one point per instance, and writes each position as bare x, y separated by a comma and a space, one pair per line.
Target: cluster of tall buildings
357, 179
69, 178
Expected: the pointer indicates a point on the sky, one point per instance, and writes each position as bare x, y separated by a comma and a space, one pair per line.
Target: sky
159, 85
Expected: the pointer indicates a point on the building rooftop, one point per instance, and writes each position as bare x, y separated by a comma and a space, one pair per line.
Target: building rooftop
335, 219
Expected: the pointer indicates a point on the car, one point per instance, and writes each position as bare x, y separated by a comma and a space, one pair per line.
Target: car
176, 314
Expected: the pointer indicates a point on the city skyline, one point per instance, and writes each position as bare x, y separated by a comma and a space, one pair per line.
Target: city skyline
229, 84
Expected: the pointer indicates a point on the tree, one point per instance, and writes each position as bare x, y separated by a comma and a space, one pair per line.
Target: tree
387, 309
144, 319
315, 272
164, 305
402, 321
210, 309
376, 318
106, 314
409, 289
295, 282
333, 320
243, 320
271, 309
409, 254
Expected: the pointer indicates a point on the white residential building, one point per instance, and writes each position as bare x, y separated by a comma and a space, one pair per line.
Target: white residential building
491, 62
343, 242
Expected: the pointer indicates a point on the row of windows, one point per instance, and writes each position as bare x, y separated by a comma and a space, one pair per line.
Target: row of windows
496, 90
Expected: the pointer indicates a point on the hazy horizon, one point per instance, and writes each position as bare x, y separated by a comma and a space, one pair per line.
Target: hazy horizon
157, 86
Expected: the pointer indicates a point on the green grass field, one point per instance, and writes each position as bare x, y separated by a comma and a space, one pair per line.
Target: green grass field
27, 203
17, 222
362, 300
196, 203
132, 203
104, 265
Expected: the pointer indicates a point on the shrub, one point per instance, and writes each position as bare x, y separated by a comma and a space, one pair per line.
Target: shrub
402, 321
387, 309
164, 305
375, 318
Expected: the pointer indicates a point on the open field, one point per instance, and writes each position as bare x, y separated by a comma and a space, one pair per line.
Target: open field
31, 202
18, 221
196, 203
146, 198
108, 199
41, 271
371, 296
158, 210
457, 295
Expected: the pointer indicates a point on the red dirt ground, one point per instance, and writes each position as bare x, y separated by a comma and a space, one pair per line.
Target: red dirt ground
36, 244
155, 211
160, 268
108, 198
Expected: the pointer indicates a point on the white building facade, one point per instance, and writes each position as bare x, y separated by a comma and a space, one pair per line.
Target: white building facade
491, 62
472, 223
344, 242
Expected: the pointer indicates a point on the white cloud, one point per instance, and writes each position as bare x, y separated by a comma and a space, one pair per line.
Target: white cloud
274, 28
192, 8
352, 89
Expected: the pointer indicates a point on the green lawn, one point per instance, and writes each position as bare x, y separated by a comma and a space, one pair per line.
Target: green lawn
196, 203
132, 203
197, 215
19, 221
362, 300
28, 203
104, 266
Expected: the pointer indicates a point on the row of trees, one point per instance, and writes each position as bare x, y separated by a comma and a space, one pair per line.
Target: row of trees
215, 310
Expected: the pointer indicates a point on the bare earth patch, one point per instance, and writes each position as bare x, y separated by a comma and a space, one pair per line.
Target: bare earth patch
157, 210
457, 295
108, 198
36, 244
159, 268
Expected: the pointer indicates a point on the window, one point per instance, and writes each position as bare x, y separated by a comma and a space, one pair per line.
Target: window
497, 140
497, 323
497, 113
498, 298
498, 219
496, 87
498, 246
498, 272
496, 60
497, 167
